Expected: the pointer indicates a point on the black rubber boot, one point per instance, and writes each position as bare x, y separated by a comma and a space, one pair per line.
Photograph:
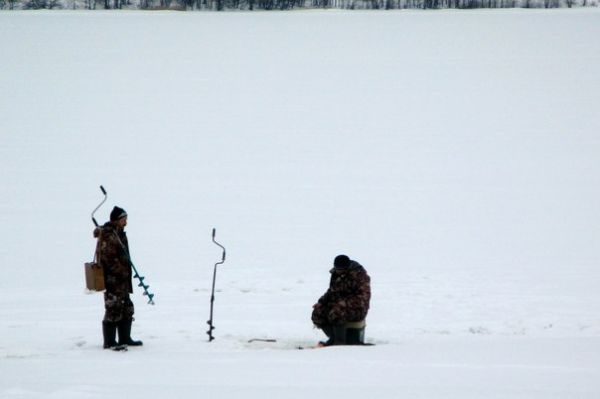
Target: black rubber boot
339, 335
109, 332
328, 330
124, 327
355, 336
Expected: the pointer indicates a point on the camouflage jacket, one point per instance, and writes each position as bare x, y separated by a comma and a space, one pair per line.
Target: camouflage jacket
112, 253
350, 287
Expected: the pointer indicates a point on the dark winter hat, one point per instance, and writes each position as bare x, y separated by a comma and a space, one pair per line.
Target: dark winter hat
341, 262
117, 213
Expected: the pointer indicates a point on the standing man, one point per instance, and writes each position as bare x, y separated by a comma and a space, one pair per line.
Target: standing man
112, 253
346, 300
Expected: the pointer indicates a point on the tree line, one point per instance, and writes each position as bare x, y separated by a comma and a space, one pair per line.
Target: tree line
221, 5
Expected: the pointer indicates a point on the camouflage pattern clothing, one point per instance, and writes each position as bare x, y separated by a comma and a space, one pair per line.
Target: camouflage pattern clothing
347, 298
112, 253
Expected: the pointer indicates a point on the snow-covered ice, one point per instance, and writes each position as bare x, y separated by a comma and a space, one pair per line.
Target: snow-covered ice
456, 155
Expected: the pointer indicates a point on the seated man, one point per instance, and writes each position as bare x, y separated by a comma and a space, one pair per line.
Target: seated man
346, 300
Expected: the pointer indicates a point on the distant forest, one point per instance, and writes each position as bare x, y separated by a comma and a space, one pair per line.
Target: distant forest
223, 5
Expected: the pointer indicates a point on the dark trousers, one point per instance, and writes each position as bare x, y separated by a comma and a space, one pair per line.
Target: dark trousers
118, 307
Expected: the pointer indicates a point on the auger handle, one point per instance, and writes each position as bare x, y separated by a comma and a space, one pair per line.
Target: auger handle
99, 205
222, 247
